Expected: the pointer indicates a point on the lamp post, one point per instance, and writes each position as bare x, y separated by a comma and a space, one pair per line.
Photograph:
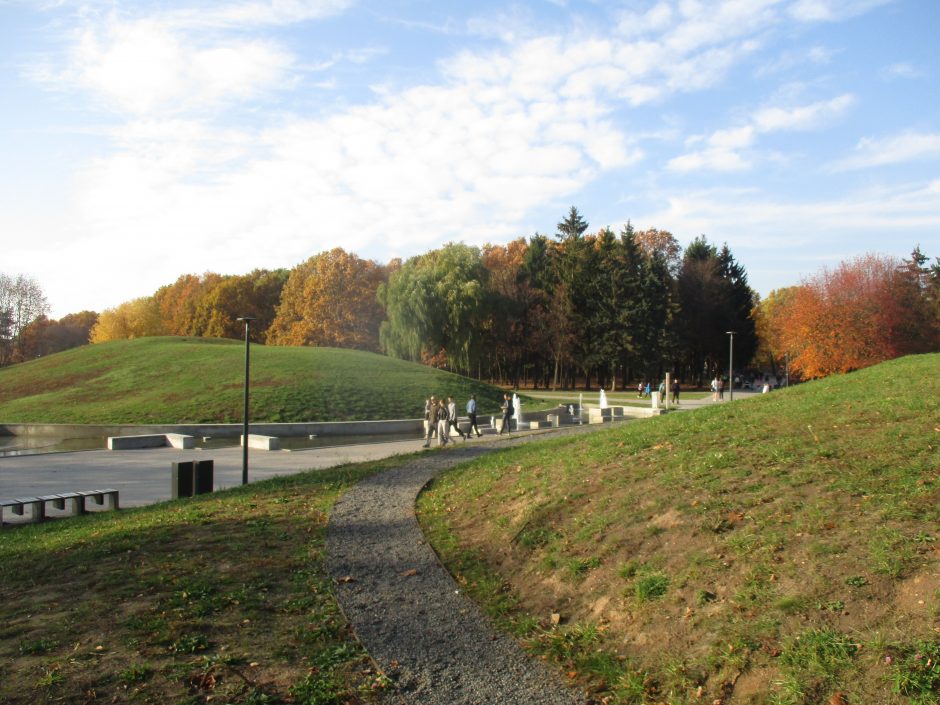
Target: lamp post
731, 362
247, 320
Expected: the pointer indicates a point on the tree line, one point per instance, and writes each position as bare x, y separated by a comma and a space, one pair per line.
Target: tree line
574, 308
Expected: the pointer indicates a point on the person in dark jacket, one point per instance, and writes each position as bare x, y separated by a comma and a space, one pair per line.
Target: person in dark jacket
507, 415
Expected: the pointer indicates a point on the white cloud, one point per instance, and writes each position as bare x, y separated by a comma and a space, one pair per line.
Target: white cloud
149, 66
756, 221
902, 70
896, 149
804, 117
722, 150
832, 10
790, 59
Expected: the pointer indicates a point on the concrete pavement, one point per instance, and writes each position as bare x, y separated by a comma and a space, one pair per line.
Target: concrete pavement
143, 476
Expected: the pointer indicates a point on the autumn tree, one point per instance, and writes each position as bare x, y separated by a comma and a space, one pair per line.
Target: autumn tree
768, 316
256, 294
330, 300
139, 318
864, 311
45, 337
662, 244
181, 303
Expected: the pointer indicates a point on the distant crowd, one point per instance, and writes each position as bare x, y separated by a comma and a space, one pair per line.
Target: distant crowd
441, 416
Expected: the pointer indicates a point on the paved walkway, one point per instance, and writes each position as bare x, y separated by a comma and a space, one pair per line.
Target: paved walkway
143, 476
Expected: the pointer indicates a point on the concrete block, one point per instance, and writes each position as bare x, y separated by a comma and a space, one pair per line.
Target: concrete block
153, 440
259, 442
599, 415
181, 441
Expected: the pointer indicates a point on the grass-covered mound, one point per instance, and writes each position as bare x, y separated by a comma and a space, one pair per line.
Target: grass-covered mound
778, 550
177, 380
221, 598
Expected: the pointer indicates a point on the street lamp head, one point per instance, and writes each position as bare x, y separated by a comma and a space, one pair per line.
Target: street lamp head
246, 319
727, 332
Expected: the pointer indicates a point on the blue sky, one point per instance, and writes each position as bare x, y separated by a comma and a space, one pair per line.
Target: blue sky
143, 140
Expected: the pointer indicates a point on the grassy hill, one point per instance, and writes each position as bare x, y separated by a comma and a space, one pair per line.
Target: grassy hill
777, 550
176, 380
781, 550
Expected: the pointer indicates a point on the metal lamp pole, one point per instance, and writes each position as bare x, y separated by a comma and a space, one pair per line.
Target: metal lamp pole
247, 320
731, 362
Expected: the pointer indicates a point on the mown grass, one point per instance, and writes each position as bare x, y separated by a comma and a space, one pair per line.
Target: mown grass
220, 598
780, 550
177, 380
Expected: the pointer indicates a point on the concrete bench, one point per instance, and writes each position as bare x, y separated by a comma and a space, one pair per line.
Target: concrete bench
153, 440
74, 503
259, 442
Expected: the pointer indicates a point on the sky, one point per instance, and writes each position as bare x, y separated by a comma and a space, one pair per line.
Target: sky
144, 140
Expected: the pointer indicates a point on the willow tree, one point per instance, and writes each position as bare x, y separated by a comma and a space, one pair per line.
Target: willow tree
435, 305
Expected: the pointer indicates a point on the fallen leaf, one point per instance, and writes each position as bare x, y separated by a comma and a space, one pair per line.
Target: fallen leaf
346, 579
838, 698
408, 573
556, 619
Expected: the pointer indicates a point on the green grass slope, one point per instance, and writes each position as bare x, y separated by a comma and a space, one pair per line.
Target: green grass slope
781, 550
221, 598
177, 380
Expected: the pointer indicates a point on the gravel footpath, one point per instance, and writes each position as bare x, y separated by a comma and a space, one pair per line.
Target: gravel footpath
406, 609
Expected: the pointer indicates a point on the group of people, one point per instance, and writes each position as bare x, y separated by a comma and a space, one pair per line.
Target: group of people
441, 417
644, 391
718, 389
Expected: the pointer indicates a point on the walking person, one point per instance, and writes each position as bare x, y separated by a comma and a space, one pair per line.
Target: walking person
472, 414
443, 423
675, 392
721, 388
428, 403
507, 415
430, 415
452, 418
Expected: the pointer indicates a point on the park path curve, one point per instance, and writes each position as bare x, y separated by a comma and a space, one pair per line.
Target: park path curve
408, 612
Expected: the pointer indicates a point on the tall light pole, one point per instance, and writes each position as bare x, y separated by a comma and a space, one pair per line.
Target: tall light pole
247, 320
731, 362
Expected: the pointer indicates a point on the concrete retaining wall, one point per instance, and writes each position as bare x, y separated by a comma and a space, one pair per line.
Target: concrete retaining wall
234, 430
322, 428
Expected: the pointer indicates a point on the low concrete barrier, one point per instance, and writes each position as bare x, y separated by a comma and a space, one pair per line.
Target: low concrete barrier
181, 441
259, 442
154, 440
151, 440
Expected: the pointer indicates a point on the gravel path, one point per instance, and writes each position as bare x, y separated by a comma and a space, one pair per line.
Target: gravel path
407, 610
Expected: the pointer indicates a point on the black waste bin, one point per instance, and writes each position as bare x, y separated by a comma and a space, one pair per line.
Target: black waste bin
181, 482
204, 473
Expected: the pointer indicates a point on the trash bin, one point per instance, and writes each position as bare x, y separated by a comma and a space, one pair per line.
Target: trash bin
203, 481
181, 479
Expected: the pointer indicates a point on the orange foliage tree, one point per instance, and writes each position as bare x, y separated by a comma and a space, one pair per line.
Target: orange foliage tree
330, 300
180, 302
863, 312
